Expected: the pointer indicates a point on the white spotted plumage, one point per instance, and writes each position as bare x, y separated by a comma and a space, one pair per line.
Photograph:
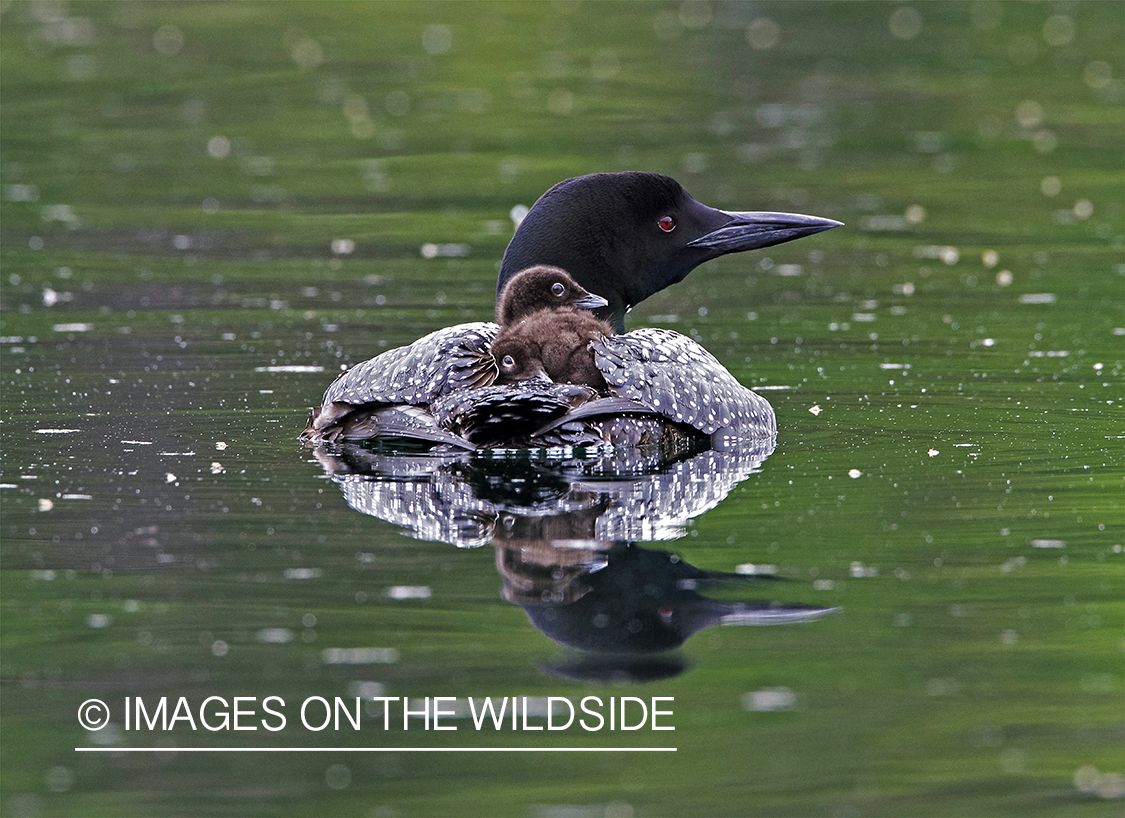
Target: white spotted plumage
667, 376
689, 385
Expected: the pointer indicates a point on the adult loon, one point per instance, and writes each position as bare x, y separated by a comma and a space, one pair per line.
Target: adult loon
623, 237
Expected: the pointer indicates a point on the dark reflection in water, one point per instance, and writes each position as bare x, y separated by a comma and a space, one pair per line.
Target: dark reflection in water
565, 530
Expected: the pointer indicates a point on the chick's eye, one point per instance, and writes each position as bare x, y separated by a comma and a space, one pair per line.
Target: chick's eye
667, 224
508, 362
557, 289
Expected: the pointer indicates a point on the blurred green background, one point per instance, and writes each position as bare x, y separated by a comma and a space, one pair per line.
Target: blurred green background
191, 193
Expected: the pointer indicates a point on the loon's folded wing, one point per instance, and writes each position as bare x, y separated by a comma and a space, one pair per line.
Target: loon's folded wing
444, 361
672, 375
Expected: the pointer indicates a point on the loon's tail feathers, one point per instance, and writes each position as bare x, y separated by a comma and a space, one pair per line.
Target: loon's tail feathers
383, 423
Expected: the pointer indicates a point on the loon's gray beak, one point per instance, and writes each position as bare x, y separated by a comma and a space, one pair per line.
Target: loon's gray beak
743, 614
591, 302
752, 231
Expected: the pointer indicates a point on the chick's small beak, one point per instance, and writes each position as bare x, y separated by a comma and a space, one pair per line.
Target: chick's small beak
590, 301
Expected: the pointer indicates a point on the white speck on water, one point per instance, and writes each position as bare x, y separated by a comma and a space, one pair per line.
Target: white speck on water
447, 250
915, 214
933, 452
753, 569
905, 23
408, 592
302, 573
99, 621
1088, 779
307, 54
946, 254
1048, 543
289, 368
437, 39
72, 327
762, 33
366, 689
1038, 298
46, 504
860, 571
56, 431
815, 409
168, 40
854, 473
170, 478
1010, 565
277, 636
218, 147
769, 700
359, 656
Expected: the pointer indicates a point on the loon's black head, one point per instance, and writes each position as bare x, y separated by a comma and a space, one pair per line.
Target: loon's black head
626, 236
541, 287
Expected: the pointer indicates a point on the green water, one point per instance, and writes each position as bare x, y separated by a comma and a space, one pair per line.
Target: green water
208, 209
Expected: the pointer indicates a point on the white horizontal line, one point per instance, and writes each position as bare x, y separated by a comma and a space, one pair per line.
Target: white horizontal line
375, 749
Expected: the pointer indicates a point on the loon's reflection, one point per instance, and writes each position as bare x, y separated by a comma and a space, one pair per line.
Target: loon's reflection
461, 498
565, 530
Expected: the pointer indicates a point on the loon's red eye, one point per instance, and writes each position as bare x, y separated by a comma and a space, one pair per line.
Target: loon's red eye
667, 224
